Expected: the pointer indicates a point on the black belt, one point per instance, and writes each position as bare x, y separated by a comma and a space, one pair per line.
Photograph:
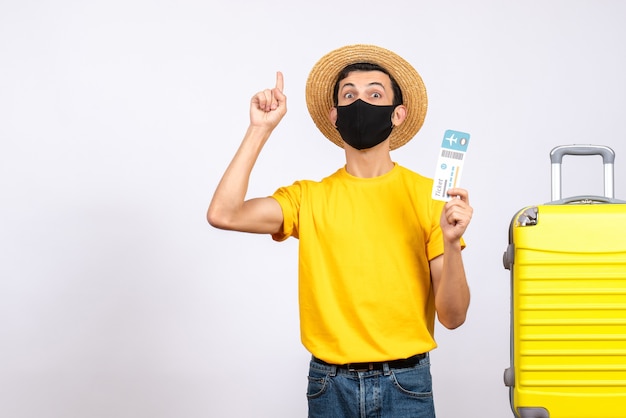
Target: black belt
377, 365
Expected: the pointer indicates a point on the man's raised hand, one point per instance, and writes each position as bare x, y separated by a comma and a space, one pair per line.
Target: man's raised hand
269, 106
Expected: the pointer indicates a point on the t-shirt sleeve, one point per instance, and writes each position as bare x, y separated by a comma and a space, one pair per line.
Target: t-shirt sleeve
288, 198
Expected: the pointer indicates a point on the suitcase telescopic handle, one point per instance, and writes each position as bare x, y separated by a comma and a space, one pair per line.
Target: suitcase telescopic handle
608, 159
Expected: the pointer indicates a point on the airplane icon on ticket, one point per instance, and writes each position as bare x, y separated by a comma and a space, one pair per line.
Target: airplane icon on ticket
452, 139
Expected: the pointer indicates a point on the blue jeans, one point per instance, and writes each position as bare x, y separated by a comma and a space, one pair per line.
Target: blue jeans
389, 393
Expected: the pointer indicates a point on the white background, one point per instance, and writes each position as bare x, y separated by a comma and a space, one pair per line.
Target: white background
118, 117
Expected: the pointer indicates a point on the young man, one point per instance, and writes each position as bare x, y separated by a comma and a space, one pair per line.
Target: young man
377, 256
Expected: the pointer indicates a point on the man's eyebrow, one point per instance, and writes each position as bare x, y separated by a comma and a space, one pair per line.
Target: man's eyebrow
376, 83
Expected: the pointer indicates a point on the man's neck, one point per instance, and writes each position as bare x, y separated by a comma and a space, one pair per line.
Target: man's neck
372, 162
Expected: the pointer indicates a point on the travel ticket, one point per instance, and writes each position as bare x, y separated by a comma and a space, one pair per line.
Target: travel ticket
450, 163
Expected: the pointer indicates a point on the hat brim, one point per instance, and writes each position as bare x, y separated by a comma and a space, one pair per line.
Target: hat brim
323, 76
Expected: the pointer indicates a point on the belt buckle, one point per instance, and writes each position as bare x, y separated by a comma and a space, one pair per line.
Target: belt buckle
360, 367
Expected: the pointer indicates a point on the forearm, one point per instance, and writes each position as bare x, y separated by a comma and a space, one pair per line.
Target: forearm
230, 194
452, 297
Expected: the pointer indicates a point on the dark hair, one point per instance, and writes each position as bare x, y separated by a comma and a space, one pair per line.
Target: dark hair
367, 66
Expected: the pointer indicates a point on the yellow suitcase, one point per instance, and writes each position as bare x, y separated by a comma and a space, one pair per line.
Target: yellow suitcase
568, 301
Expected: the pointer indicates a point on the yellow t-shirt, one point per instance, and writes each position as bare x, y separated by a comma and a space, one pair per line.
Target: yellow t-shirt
364, 249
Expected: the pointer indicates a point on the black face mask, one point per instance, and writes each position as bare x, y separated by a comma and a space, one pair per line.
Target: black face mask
363, 125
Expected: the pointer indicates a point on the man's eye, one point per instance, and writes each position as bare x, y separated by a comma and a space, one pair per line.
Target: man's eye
348, 96
376, 95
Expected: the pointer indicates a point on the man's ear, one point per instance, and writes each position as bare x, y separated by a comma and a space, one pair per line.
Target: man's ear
332, 115
399, 115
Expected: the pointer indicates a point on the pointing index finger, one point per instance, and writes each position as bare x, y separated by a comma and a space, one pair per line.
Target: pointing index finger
279, 81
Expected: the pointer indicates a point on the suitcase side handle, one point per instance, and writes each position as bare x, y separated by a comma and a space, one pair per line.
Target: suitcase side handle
608, 159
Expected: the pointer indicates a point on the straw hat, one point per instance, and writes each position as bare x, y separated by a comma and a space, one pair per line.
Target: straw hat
323, 76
